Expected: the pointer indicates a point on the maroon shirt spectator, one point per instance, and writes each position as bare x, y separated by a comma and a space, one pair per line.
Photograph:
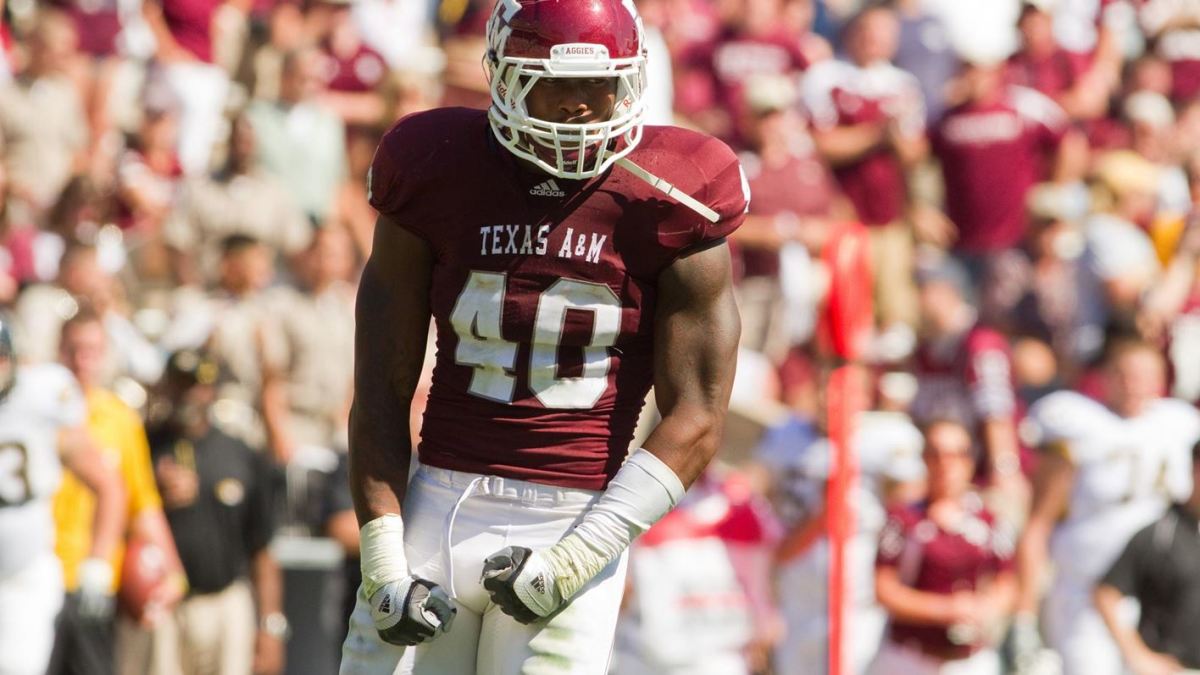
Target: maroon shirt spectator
1009, 132
964, 369
715, 75
359, 71
944, 570
788, 185
1041, 63
933, 558
190, 23
869, 97
967, 378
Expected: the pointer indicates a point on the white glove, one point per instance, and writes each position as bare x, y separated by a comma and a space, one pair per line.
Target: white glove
95, 589
407, 610
412, 610
521, 584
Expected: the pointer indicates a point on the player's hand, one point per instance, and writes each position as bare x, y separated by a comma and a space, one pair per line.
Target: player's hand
412, 610
95, 589
520, 583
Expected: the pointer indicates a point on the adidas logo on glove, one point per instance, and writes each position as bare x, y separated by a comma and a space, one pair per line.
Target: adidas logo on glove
547, 189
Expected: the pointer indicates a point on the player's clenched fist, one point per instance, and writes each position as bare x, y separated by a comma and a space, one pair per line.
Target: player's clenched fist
412, 610
520, 584
407, 610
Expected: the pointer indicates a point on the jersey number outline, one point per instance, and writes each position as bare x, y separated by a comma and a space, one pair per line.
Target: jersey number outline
476, 319
15, 485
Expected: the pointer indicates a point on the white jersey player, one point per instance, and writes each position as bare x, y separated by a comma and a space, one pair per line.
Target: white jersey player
1107, 471
889, 451
41, 430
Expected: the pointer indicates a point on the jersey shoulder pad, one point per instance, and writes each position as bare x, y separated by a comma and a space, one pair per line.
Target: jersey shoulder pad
49, 392
419, 149
1062, 421
702, 167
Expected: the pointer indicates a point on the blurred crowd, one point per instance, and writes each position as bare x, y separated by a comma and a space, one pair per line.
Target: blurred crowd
183, 216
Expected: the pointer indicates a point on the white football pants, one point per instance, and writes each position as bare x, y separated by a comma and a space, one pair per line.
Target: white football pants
30, 601
452, 521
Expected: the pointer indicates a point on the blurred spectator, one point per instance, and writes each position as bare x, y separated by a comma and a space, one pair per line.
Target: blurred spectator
353, 213
235, 325
1174, 28
926, 51
944, 571
307, 402
85, 645
1120, 259
148, 172
42, 122
240, 198
1035, 291
83, 281
888, 449
1042, 64
1152, 123
298, 139
399, 30
217, 494
998, 129
698, 601
712, 88
1158, 569
1106, 470
964, 374
185, 33
868, 124
789, 220
353, 72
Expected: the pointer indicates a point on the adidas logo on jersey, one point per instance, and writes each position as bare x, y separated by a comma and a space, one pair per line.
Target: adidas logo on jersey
547, 189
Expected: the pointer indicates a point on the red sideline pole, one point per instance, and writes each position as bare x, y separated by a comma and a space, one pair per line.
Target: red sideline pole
846, 325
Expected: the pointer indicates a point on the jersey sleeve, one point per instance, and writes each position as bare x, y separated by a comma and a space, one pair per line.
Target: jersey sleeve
726, 191
399, 172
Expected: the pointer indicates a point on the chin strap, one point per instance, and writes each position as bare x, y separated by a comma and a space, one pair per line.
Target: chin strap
670, 190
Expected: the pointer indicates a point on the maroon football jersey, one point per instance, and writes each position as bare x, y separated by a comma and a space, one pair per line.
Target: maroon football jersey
933, 559
1011, 136
543, 289
840, 93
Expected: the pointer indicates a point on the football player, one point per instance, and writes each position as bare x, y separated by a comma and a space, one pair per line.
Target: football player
1107, 470
42, 414
570, 258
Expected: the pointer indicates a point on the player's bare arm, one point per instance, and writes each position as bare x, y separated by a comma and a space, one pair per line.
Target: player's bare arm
392, 325
81, 457
696, 335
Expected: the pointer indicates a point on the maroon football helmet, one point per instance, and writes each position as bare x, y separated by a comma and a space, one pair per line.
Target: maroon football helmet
531, 39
